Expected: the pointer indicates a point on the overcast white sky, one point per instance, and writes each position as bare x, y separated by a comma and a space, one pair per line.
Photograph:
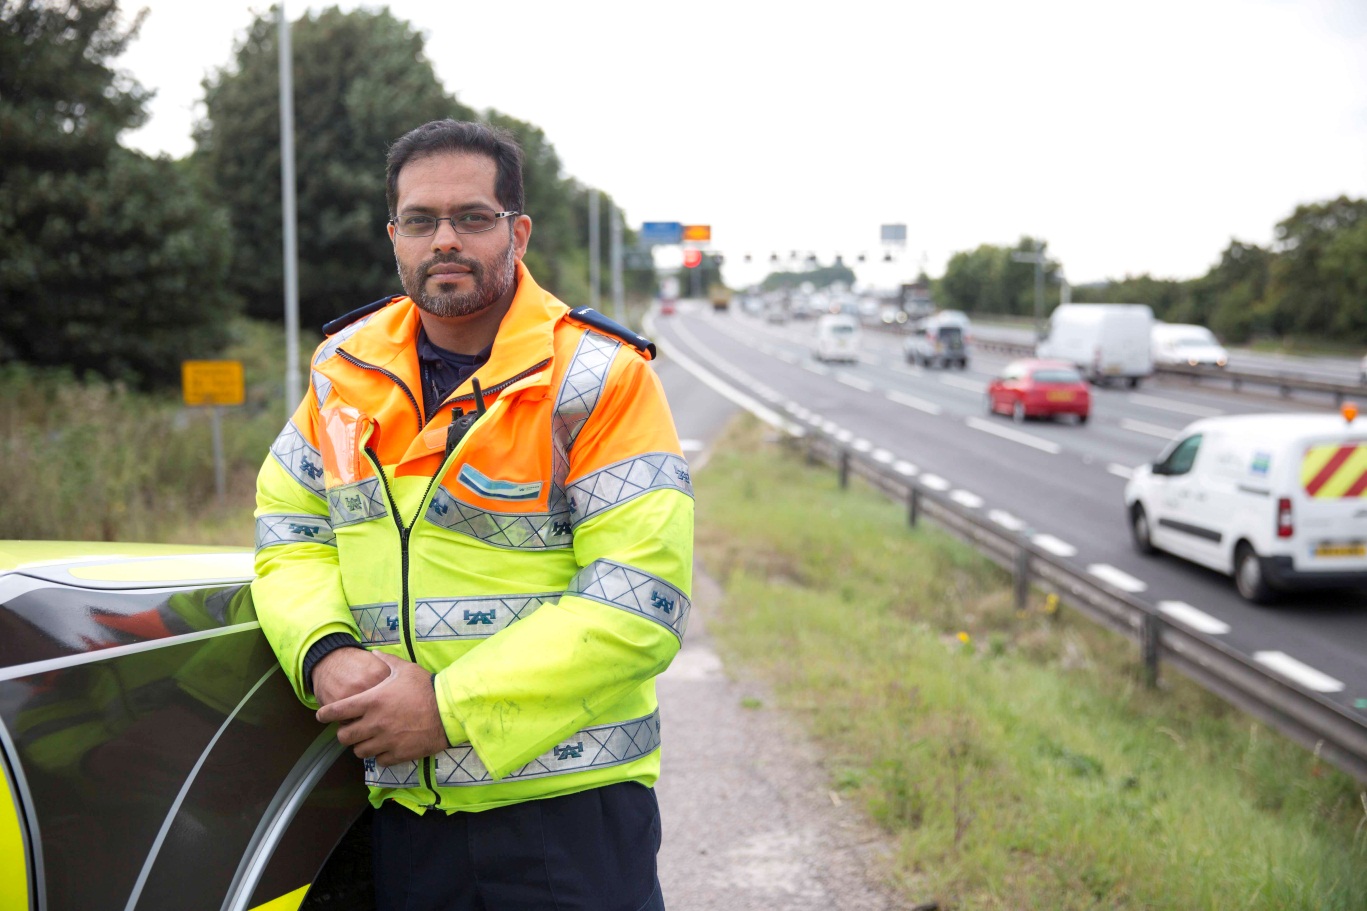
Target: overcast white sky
1133, 137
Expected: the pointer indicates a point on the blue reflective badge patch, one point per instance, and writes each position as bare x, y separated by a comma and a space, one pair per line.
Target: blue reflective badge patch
498, 490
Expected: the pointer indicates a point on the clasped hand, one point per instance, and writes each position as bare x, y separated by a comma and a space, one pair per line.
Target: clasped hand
385, 706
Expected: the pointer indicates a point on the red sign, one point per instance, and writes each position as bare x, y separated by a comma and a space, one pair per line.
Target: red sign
692, 259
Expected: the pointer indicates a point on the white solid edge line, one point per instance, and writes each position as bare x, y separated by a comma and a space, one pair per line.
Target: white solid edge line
1015, 436
1198, 620
1055, 546
959, 383
1152, 401
1301, 673
1119, 578
1120, 471
767, 415
912, 401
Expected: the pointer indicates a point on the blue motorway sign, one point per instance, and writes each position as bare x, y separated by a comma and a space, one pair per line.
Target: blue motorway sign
661, 232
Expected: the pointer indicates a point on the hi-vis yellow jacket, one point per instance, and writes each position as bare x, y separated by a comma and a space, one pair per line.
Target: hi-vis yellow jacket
541, 569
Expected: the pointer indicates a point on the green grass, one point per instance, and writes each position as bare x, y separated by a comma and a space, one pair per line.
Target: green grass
91, 460
1015, 758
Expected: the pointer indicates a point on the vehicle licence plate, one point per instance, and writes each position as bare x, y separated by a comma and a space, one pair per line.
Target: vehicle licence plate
1357, 549
1063, 396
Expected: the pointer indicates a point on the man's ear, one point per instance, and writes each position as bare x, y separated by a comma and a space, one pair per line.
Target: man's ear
522, 233
389, 226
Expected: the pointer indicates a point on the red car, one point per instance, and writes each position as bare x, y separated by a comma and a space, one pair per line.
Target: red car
1034, 388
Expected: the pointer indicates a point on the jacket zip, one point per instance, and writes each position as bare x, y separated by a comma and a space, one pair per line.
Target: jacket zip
406, 530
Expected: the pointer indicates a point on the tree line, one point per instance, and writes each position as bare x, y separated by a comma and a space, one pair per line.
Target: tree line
1311, 282
122, 264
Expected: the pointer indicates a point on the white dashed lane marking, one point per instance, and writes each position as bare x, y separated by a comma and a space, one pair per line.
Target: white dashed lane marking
1054, 545
1199, 411
1015, 436
912, 401
1006, 520
966, 499
862, 445
1112, 576
1198, 620
854, 382
904, 468
882, 455
934, 482
1120, 471
1153, 430
960, 383
1301, 673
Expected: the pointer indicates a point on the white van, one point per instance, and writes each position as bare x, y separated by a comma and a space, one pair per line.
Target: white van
1187, 344
1104, 341
1279, 501
837, 337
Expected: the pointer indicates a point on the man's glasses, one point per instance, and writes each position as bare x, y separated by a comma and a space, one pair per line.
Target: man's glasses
475, 221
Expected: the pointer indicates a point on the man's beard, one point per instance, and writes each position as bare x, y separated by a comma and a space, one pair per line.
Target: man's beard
490, 284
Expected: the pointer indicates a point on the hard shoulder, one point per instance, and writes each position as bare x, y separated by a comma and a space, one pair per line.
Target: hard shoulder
334, 326
597, 322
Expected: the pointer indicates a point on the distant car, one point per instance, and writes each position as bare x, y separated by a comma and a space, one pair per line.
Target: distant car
955, 318
152, 755
1182, 343
1036, 388
667, 308
837, 337
936, 344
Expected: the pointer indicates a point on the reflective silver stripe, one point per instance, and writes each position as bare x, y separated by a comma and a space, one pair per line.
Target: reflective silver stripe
472, 618
578, 396
379, 623
592, 748
615, 484
526, 531
360, 501
632, 590
298, 456
286, 529
321, 384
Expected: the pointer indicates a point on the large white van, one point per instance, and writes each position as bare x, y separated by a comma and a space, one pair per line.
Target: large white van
1104, 341
1279, 501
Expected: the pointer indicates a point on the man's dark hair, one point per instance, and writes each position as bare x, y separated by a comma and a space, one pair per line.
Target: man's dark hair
463, 137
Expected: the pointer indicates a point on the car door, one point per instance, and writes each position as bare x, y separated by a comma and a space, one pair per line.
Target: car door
1183, 524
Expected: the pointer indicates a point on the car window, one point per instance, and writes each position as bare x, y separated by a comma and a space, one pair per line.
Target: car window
1182, 457
1057, 375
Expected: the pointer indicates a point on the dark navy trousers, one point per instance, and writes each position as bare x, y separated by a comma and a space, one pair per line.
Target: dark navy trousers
591, 851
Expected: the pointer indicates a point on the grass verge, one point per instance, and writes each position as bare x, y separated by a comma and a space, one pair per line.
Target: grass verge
1016, 758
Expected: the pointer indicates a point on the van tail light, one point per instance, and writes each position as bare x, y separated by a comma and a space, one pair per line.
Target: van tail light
1284, 526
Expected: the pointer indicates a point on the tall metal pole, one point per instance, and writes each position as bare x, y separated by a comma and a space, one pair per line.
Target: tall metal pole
1039, 286
288, 217
595, 250
615, 226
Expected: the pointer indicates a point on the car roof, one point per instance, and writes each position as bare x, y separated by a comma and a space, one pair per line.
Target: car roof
111, 565
1281, 426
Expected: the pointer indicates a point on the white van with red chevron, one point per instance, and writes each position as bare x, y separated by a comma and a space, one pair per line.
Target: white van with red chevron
1278, 501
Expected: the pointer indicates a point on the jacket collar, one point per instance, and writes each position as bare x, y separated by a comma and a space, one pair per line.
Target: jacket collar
388, 341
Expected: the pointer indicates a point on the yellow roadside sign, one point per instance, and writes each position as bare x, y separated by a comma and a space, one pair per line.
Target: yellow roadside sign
212, 382
697, 233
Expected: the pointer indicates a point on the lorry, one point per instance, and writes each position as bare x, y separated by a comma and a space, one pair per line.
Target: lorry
1278, 501
1104, 341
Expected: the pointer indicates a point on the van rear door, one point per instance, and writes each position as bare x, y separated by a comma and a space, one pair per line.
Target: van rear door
1331, 514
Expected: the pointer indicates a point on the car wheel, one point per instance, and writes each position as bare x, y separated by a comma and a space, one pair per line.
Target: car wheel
1018, 412
1139, 530
1082, 418
1248, 575
1134, 382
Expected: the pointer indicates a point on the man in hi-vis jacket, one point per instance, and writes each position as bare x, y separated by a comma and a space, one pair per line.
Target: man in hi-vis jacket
474, 550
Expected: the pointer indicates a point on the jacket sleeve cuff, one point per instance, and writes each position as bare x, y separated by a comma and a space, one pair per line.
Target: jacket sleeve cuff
321, 649
455, 730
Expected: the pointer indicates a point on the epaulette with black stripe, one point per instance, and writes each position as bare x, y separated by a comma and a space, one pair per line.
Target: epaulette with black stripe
593, 319
347, 319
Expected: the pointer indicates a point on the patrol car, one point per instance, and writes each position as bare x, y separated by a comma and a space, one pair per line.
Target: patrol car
1278, 501
152, 754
